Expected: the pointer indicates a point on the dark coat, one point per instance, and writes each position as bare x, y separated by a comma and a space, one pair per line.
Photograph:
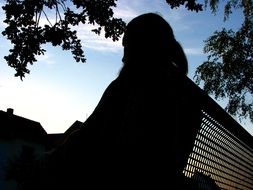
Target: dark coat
139, 135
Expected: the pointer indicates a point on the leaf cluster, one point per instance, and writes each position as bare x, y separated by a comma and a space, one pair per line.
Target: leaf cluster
27, 34
191, 5
227, 73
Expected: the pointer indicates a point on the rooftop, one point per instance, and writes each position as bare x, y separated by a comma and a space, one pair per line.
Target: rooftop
13, 126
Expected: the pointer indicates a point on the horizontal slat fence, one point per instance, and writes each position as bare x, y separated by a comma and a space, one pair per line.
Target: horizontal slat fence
222, 156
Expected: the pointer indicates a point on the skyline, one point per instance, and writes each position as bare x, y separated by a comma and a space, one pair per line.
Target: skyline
58, 91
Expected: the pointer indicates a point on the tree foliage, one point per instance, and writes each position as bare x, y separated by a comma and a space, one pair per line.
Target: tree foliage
191, 5
227, 73
27, 34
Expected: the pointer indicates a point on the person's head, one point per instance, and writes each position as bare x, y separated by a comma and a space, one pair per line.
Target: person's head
149, 39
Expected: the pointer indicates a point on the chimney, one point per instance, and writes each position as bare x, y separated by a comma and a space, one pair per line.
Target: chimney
10, 111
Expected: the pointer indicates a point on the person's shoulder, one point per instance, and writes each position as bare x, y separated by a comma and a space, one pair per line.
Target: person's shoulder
115, 87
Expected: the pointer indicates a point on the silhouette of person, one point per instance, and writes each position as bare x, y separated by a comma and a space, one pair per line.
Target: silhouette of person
143, 129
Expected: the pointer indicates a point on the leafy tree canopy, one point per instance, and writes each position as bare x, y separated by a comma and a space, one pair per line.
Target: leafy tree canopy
191, 5
227, 73
27, 35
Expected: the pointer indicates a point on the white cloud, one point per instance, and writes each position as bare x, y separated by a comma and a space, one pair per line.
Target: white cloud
97, 42
124, 11
46, 58
193, 51
103, 45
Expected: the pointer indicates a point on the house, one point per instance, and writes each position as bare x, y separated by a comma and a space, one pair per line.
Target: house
22, 141
18, 135
55, 139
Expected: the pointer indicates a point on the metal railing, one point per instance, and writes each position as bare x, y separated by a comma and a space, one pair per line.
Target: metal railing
222, 155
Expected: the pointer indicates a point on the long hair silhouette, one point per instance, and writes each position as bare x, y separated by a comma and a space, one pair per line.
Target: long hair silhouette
149, 42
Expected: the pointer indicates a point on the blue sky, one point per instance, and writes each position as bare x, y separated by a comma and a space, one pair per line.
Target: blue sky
60, 91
